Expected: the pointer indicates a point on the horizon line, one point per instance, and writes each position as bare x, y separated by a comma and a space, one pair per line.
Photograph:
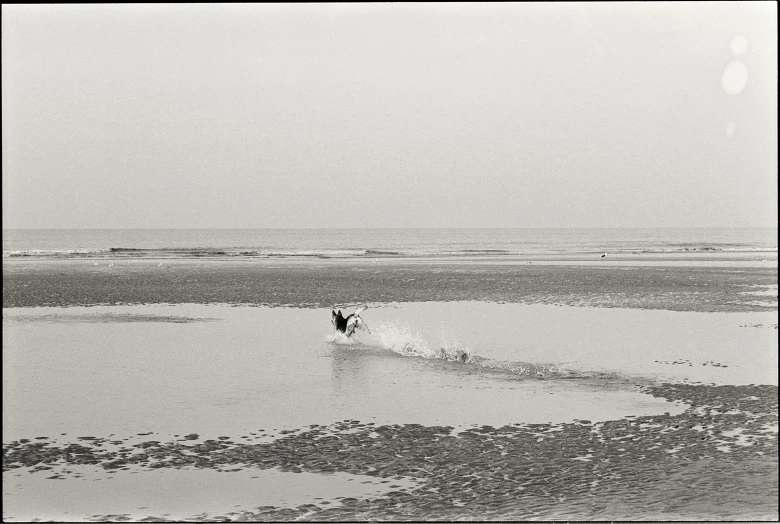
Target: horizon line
365, 228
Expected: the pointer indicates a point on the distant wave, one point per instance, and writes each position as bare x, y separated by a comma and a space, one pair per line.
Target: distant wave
430, 252
485, 251
53, 253
193, 252
706, 249
139, 253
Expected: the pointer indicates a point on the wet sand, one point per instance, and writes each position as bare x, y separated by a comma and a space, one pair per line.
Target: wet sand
717, 460
323, 284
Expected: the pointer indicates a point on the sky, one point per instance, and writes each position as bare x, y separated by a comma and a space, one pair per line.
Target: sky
390, 115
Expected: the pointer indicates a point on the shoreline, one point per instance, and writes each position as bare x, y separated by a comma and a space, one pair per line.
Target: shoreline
767, 258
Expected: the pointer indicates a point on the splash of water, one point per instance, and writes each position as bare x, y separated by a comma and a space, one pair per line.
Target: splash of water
408, 343
340, 339
403, 341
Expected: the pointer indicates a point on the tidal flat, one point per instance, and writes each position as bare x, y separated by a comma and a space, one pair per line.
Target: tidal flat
715, 461
659, 401
323, 283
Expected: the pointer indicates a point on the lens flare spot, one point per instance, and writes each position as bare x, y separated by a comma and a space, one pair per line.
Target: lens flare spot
731, 127
735, 77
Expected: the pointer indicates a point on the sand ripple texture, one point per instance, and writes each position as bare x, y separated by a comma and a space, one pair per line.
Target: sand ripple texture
73, 283
717, 460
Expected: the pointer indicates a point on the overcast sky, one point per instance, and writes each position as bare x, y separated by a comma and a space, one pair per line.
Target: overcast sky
257, 115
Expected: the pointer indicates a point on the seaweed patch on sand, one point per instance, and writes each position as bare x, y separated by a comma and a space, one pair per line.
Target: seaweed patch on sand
767, 326
717, 460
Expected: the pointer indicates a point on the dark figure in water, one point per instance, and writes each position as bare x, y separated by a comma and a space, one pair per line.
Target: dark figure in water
348, 324
339, 321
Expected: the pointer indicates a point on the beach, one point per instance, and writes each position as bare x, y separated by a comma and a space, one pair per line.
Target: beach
486, 390
390, 262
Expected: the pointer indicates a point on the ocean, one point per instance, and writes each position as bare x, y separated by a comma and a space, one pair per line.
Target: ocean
380, 243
